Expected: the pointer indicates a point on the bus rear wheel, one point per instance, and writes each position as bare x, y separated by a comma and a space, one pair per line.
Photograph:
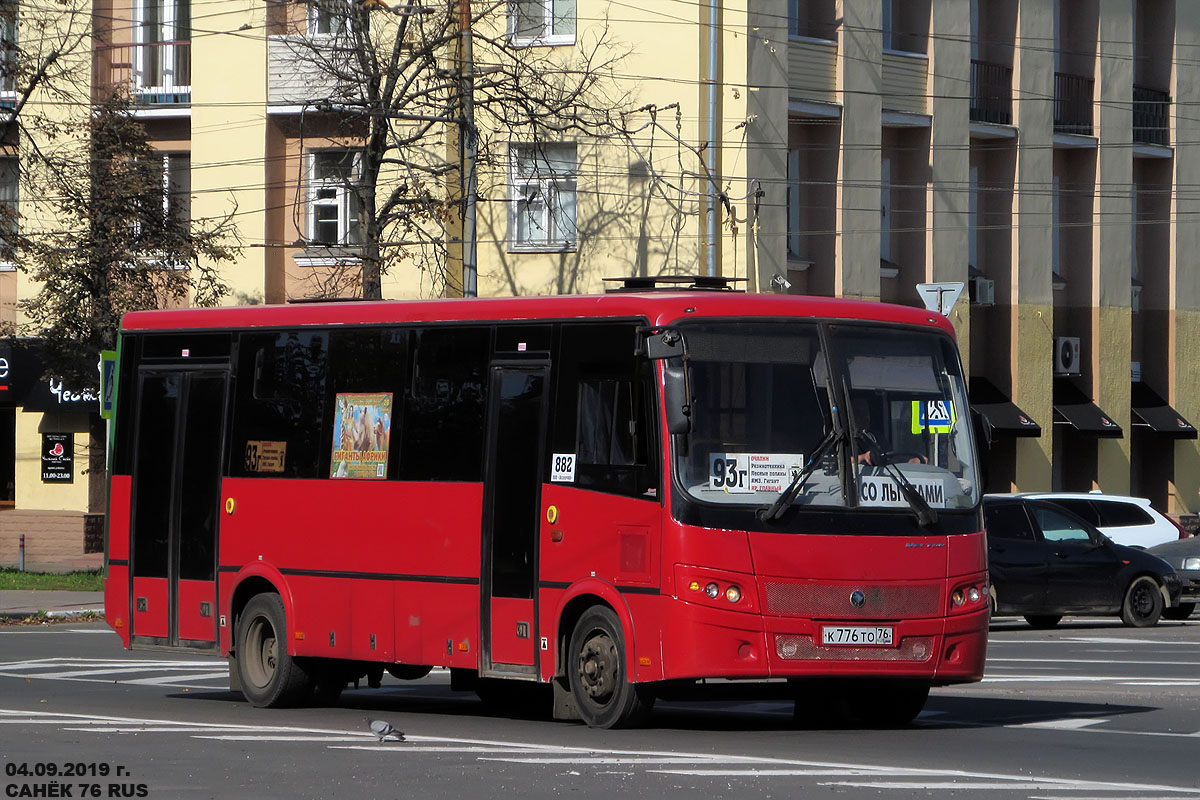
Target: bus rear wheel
596, 671
270, 677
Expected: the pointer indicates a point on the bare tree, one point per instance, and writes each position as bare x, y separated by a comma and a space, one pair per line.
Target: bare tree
397, 80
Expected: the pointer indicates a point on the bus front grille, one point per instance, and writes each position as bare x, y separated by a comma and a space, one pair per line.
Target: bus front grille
837, 601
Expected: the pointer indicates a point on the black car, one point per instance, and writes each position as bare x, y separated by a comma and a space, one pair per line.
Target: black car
1045, 562
1184, 556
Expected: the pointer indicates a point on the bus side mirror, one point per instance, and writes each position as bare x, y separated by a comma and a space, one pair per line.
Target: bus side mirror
675, 395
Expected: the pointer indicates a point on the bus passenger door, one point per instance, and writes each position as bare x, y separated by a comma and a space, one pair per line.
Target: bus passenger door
511, 502
175, 507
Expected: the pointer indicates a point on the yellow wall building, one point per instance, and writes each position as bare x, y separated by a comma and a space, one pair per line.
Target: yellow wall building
1035, 150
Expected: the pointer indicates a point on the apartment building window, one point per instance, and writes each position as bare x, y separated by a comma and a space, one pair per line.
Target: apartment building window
9, 199
813, 19
333, 204
793, 204
543, 197
328, 17
542, 21
177, 186
885, 213
8, 53
162, 49
905, 25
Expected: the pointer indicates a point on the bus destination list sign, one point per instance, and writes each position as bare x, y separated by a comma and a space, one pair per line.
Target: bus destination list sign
58, 458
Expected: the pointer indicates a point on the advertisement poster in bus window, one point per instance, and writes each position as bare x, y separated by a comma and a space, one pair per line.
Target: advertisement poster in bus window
362, 429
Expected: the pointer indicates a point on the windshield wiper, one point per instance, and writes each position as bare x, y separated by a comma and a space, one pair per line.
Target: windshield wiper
926, 515
788, 495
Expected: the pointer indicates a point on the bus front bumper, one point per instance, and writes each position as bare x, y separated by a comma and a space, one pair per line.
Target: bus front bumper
706, 642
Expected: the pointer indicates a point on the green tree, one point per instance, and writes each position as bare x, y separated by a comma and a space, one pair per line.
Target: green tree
122, 240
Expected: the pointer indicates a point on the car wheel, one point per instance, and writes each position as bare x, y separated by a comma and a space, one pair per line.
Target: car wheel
1181, 611
887, 704
1043, 621
597, 673
1143, 603
270, 677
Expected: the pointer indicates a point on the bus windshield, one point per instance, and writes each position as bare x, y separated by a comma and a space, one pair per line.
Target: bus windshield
887, 405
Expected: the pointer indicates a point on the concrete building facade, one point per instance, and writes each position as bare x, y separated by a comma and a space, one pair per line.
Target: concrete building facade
1041, 152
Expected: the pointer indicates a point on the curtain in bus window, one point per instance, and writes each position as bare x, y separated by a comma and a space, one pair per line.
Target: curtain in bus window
605, 414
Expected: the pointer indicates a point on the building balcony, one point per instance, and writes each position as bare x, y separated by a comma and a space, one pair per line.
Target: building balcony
1151, 116
1073, 104
905, 82
158, 73
812, 69
991, 93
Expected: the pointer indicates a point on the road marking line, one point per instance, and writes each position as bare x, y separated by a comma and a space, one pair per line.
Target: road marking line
610, 760
1061, 724
269, 738
1040, 662
166, 681
942, 785
405, 747
768, 773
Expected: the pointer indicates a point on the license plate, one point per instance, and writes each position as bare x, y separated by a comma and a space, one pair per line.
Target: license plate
857, 635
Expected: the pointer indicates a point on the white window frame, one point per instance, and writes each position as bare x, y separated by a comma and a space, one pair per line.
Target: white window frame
973, 218
340, 200
8, 53
313, 18
547, 37
885, 209
6, 265
548, 185
142, 82
793, 204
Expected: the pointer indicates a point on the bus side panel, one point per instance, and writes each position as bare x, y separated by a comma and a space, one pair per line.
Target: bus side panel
613, 538
440, 622
602, 535
385, 552
321, 611
116, 582
150, 594
116, 601
118, 517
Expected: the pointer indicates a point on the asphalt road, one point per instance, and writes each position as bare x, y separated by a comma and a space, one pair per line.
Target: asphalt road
1088, 711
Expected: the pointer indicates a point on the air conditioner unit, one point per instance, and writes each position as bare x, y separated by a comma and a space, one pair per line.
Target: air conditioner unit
1066, 355
982, 291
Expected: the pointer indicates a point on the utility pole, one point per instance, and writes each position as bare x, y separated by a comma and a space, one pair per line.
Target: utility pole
468, 146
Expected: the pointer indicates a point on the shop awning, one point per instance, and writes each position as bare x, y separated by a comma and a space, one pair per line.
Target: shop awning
997, 414
1151, 411
1074, 408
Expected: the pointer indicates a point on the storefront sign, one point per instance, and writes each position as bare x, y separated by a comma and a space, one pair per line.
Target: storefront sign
58, 458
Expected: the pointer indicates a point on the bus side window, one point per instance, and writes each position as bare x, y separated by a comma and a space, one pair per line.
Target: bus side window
279, 404
445, 404
368, 361
604, 409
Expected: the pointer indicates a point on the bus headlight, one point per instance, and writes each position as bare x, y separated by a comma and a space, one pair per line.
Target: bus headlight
712, 590
733, 594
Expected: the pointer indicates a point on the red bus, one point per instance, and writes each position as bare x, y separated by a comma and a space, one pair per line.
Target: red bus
615, 495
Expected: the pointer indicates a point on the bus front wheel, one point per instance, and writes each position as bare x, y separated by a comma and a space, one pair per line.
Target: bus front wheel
270, 677
597, 672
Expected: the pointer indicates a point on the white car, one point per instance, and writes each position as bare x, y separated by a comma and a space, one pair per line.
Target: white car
1130, 521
